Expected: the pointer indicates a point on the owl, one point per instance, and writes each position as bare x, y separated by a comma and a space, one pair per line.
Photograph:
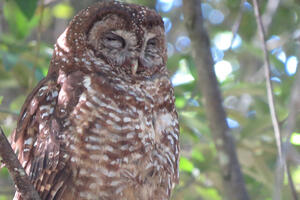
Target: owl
102, 124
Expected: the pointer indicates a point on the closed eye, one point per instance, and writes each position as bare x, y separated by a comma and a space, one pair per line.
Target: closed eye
112, 40
152, 42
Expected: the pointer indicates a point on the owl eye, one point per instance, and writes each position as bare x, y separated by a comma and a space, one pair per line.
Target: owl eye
152, 42
112, 40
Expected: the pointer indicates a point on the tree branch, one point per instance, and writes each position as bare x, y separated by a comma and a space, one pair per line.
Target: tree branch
234, 186
237, 23
281, 165
16, 171
269, 86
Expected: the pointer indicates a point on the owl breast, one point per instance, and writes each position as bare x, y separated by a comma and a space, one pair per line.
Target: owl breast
125, 144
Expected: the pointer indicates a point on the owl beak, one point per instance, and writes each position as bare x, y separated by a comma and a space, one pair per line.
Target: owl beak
134, 66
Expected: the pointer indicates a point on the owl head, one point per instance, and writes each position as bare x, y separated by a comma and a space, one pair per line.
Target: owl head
126, 39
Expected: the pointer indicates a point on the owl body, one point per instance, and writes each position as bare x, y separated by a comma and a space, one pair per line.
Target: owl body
103, 124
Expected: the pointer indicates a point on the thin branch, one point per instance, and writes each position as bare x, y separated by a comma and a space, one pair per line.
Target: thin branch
233, 182
16, 171
281, 165
269, 86
237, 23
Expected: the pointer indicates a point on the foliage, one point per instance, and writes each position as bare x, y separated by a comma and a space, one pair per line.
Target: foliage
25, 60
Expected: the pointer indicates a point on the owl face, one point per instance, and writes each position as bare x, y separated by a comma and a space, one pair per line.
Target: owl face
113, 36
136, 48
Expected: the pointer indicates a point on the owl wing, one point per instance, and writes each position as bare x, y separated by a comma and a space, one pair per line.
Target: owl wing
37, 141
167, 125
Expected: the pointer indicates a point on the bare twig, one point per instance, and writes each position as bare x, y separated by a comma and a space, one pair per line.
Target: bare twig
16, 171
233, 182
267, 68
237, 23
281, 165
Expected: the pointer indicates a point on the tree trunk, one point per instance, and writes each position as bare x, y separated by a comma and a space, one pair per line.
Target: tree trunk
234, 186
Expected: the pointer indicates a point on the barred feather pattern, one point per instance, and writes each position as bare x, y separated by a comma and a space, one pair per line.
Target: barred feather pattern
98, 128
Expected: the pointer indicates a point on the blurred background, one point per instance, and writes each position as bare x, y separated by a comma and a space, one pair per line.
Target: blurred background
29, 29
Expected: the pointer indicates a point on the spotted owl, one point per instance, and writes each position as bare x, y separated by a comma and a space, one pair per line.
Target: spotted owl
102, 124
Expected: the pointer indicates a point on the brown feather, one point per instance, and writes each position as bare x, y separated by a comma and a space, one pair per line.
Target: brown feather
93, 129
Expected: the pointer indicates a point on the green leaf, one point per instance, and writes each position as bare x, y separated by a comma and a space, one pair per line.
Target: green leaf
9, 60
197, 155
19, 24
180, 102
1, 98
185, 165
45, 71
295, 139
209, 193
63, 11
296, 175
4, 171
3, 197
27, 7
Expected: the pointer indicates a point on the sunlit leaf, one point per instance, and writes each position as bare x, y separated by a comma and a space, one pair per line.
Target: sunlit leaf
209, 193
44, 71
186, 165
3, 197
296, 176
3, 171
198, 155
1, 98
295, 138
180, 102
63, 11
27, 7
18, 23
